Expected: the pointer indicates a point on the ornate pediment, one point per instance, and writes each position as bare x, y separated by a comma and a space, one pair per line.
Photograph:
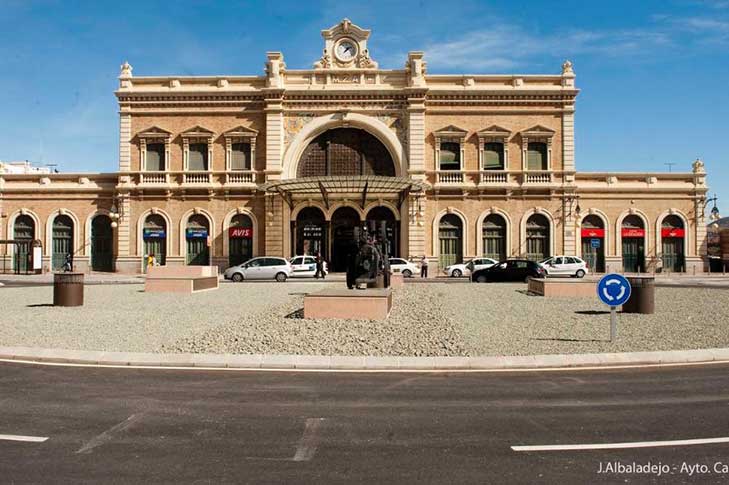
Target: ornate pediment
538, 131
197, 131
451, 132
241, 132
494, 131
345, 47
154, 132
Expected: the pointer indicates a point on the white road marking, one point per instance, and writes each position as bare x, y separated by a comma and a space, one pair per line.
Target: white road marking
309, 440
108, 435
30, 439
613, 446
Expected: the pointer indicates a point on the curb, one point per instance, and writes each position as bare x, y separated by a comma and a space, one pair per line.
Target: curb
361, 363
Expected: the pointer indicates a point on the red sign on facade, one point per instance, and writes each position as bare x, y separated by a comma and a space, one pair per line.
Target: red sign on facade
240, 232
590, 233
672, 232
633, 232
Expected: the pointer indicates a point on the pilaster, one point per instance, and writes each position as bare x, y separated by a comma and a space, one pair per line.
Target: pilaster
274, 226
416, 135
274, 137
125, 135
568, 139
415, 211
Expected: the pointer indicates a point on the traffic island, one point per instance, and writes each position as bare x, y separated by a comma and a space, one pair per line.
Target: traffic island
181, 279
369, 304
563, 288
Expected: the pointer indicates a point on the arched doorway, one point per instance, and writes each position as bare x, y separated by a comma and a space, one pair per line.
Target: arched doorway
672, 242
344, 220
102, 244
345, 151
593, 243
154, 234
538, 238
632, 234
450, 237
384, 214
23, 230
310, 230
197, 235
62, 242
493, 234
240, 239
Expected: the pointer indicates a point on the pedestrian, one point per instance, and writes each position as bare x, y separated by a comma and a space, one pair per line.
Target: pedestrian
68, 264
424, 267
150, 260
319, 265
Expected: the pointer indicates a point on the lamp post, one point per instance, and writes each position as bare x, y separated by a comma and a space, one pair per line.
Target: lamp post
714, 210
116, 212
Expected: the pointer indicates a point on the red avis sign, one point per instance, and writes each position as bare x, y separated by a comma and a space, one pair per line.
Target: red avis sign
672, 232
593, 233
240, 232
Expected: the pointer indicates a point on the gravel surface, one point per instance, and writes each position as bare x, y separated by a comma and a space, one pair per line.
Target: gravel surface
434, 319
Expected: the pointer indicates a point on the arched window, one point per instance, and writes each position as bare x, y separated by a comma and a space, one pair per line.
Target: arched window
197, 234
494, 237
102, 244
154, 234
62, 242
23, 230
345, 151
450, 237
311, 232
240, 239
537, 237
672, 244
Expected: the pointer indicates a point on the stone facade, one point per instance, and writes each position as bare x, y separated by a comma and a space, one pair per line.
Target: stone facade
416, 115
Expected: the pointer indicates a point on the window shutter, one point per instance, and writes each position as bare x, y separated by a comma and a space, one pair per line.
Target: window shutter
155, 157
537, 156
240, 156
493, 156
450, 156
198, 157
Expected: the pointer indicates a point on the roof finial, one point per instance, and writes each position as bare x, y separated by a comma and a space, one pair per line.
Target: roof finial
567, 67
126, 70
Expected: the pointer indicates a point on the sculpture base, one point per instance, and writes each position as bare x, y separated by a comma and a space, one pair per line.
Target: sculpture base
369, 304
181, 279
563, 287
397, 280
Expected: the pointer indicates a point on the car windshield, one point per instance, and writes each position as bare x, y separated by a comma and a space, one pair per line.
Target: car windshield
546, 260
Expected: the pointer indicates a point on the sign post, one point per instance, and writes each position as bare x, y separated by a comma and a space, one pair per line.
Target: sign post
613, 290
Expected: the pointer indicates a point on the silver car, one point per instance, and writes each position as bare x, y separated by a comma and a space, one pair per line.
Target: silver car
261, 268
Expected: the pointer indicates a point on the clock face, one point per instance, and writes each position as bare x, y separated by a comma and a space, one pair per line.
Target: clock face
346, 50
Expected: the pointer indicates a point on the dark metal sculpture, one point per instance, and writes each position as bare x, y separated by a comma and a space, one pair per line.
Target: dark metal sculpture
369, 266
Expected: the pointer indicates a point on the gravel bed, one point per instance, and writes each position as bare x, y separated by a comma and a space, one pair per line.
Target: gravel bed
427, 320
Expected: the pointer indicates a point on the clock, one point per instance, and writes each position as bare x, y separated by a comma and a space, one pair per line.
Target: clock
346, 50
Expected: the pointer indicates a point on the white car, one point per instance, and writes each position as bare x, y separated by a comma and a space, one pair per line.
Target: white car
305, 267
408, 269
261, 268
464, 269
565, 266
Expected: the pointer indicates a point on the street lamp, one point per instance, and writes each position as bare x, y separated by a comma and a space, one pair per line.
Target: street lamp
115, 213
714, 210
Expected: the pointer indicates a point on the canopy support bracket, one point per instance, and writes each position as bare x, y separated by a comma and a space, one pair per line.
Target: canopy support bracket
364, 195
324, 195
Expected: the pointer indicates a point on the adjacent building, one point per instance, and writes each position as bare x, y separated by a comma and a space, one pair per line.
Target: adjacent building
217, 169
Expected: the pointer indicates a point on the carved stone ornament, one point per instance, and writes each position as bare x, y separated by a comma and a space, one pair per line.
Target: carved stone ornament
294, 124
567, 68
345, 33
126, 70
275, 69
698, 166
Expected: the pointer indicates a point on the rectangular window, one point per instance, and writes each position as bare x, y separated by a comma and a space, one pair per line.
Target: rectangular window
240, 156
198, 156
450, 156
155, 157
493, 156
537, 156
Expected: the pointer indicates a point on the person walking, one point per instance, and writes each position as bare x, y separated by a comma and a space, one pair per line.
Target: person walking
424, 267
319, 266
68, 264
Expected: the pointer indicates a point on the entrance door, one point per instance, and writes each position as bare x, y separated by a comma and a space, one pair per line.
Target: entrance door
198, 233
24, 230
311, 232
62, 243
633, 258
240, 240
155, 239
344, 220
673, 254
101, 244
593, 252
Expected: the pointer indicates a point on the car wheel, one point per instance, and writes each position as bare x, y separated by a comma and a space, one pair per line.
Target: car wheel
237, 277
456, 273
580, 273
481, 279
407, 273
280, 277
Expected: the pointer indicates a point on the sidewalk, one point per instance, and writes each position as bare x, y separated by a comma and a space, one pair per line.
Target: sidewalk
89, 278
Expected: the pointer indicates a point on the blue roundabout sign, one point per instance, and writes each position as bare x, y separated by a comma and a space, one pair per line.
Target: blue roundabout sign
613, 289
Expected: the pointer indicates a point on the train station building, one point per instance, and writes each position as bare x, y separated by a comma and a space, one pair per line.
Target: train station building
217, 169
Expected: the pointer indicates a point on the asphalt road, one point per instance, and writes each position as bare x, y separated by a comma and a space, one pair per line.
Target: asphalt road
173, 426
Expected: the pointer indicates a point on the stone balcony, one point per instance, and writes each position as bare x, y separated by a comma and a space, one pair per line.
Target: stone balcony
201, 179
495, 178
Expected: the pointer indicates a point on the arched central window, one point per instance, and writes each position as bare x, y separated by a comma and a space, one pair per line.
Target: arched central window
345, 151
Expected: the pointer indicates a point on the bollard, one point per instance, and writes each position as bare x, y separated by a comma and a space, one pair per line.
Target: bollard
643, 295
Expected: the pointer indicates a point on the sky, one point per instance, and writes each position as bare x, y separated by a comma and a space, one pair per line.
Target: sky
654, 75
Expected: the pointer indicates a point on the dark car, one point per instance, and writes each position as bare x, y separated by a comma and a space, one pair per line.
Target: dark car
511, 270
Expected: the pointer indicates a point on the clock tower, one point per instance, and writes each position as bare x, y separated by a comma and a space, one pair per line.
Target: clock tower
345, 47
